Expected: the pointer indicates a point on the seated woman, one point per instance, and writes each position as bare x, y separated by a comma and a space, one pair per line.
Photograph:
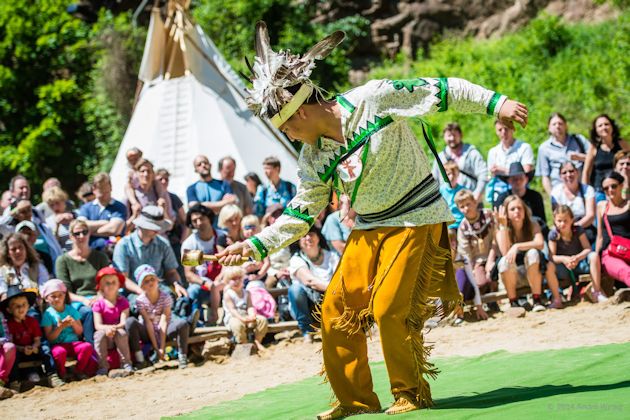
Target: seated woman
613, 222
20, 265
77, 269
311, 269
59, 221
606, 142
570, 251
520, 243
230, 222
579, 197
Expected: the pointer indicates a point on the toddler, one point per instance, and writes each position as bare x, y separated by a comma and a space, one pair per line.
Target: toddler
62, 326
110, 315
448, 191
156, 323
240, 315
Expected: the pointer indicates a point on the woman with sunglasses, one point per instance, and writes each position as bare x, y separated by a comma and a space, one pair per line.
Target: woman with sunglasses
578, 196
614, 213
77, 268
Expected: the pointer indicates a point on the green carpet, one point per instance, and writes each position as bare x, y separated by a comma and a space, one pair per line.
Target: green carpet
581, 383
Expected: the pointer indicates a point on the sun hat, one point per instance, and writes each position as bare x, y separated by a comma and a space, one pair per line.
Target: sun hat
109, 271
27, 224
52, 286
151, 218
143, 272
14, 292
516, 169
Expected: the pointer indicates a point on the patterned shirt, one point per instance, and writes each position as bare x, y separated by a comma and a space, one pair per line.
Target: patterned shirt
381, 163
154, 310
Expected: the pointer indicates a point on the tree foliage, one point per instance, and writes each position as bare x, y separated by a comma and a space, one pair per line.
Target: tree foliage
578, 70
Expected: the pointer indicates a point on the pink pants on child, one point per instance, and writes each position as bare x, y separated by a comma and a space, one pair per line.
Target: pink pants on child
80, 349
616, 267
7, 359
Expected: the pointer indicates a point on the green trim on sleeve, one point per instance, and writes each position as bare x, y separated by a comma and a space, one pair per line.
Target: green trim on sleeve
493, 103
345, 103
260, 247
299, 214
442, 94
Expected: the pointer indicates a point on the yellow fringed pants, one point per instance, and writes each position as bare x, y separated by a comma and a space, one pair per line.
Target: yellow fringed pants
390, 276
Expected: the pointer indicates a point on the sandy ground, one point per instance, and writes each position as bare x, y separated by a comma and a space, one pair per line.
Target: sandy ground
171, 391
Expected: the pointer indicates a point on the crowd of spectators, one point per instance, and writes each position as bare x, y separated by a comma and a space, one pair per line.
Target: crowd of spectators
101, 280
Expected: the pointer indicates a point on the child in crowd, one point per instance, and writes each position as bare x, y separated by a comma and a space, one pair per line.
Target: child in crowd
110, 316
7, 358
262, 300
26, 335
256, 270
156, 323
476, 246
240, 315
62, 326
570, 251
448, 191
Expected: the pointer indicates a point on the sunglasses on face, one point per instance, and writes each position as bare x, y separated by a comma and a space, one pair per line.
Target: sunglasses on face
249, 227
611, 187
80, 233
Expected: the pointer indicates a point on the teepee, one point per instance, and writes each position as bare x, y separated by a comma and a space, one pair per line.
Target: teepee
191, 103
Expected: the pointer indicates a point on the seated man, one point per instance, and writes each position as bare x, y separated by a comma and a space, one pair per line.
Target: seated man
311, 270
275, 190
337, 228
204, 286
105, 216
146, 246
518, 180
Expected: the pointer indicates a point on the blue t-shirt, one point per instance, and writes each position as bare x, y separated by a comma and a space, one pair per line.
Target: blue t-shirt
51, 318
93, 211
268, 194
130, 253
449, 195
202, 191
334, 230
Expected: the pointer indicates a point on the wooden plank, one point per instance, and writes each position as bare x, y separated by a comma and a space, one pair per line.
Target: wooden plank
278, 291
209, 333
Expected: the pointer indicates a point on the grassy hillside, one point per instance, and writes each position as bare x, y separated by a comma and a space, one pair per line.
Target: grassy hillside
578, 70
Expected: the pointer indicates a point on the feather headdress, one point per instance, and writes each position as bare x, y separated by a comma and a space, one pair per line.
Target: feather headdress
274, 72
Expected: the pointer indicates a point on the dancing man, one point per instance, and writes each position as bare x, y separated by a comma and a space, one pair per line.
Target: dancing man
396, 269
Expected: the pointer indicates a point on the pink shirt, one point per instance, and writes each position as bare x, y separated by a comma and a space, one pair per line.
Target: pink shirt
110, 313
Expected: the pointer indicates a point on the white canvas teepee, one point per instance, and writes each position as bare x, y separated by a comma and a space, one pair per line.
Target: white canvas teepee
192, 103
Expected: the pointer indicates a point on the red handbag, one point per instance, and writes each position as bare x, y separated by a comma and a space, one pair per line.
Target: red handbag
619, 246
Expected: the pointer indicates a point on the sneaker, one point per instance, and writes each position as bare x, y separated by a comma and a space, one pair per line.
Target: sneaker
556, 304
599, 297
339, 412
119, 373
538, 307
128, 367
33, 377
101, 372
404, 404
183, 361
55, 381
523, 303
193, 321
141, 365
458, 321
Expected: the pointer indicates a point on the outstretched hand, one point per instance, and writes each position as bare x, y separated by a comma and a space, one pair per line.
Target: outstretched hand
232, 255
513, 111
